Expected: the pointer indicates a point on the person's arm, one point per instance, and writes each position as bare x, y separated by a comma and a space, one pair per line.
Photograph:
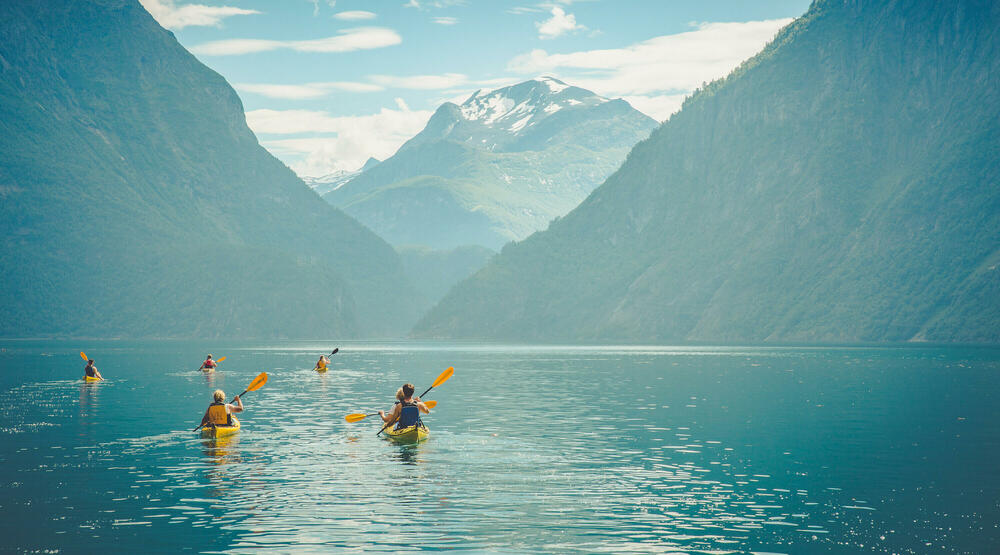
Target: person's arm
423, 408
239, 405
204, 419
98, 374
391, 417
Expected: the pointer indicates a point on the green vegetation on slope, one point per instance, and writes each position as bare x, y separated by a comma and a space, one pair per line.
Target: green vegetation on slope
136, 202
840, 186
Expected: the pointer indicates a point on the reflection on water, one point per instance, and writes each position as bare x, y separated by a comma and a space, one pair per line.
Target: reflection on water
593, 450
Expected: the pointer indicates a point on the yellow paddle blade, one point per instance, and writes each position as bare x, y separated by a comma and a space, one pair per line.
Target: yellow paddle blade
258, 382
83, 356
444, 376
220, 360
431, 404
356, 417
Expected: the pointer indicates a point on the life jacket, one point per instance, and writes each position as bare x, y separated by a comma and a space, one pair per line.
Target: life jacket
321, 364
90, 371
209, 363
409, 415
218, 415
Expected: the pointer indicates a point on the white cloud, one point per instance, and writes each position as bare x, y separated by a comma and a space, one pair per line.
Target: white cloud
349, 86
362, 38
295, 92
427, 4
354, 15
421, 82
559, 24
171, 16
656, 71
444, 20
657, 107
356, 138
308, 90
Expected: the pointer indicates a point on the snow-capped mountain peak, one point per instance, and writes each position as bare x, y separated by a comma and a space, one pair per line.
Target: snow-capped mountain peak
518, 107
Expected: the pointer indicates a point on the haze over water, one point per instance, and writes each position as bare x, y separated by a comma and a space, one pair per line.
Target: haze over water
540, 449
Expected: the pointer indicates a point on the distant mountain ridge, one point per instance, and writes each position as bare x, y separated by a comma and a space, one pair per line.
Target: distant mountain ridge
137, 202
325, 183
841, 186
497, 167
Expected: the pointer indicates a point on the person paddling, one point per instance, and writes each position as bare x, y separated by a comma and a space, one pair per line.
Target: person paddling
209, 364
220, 412
407, 411
321, 363
91, 371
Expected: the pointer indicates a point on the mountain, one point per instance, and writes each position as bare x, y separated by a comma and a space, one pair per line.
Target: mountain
496, 168
841, 186
332, 181
137, 202
434, 272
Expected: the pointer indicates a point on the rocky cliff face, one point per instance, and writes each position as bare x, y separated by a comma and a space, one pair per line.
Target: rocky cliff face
136, 202
840, 186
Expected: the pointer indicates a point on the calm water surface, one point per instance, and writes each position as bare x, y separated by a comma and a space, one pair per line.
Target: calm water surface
532, 449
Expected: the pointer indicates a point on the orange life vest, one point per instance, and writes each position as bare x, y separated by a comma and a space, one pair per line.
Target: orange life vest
218, 415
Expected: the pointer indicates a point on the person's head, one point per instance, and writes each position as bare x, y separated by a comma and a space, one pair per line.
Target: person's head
90, 362
208, 357
399, 394
407, 390
219, 396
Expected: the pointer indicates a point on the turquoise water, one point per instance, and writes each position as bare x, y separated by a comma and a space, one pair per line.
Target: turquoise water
532, 449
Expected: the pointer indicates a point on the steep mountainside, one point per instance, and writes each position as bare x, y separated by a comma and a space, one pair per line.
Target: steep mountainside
840, 186
497, 168
136, 202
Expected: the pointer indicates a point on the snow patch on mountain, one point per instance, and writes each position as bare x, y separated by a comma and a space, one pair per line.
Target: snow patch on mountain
517, 107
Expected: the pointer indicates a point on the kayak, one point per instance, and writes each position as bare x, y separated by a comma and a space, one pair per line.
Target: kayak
412, 434
221, 431
321, 370
89, 379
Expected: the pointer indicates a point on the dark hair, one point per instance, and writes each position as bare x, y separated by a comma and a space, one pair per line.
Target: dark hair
408, 389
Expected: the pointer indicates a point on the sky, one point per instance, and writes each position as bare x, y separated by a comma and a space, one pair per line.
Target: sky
326, 84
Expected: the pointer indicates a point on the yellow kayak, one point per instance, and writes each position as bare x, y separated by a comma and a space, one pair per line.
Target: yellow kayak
321, 370
221, 431
412, 434
89, 379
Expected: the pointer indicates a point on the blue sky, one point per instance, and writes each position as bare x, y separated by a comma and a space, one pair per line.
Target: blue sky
328, 83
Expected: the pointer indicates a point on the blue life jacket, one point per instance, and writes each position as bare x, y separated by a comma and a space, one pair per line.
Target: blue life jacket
409, 415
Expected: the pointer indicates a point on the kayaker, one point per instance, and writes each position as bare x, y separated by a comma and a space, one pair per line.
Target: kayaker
91, 371
321, 363
406, 413
219, 412
209, 364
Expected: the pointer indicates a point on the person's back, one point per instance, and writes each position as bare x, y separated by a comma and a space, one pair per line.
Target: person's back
219, 413
91, 371
406, 412
209, 364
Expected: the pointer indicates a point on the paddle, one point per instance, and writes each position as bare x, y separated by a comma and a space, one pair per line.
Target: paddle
358, 417
256, 384
445, 376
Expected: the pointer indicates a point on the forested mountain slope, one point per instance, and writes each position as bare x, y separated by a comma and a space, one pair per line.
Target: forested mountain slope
840, 186
136, 201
